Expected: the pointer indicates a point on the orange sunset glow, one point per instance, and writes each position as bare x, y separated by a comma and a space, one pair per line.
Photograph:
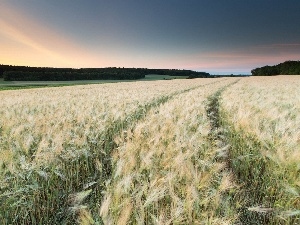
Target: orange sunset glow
26, 38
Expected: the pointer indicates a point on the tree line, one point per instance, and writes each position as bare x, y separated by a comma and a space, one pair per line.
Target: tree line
285, 68
24, 73
176, 72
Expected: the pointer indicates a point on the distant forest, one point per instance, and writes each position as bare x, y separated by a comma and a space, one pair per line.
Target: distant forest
286, 68
24, 73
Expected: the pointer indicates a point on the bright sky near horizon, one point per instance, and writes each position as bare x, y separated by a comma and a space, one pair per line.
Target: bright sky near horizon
230, 36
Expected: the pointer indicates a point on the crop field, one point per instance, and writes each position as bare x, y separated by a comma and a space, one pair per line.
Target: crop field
16, 85
200, 151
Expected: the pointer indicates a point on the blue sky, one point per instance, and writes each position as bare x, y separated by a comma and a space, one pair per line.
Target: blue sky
221, 36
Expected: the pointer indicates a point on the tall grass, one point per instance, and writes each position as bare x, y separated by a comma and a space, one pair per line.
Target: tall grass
262, 119
56, 144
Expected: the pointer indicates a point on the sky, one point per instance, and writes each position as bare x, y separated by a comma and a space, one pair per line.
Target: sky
215, 36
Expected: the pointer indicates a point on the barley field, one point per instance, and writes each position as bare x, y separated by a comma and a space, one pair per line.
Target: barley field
262, 117
200, 151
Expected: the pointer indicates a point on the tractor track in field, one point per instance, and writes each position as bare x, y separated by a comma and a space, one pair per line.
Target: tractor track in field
214, 116
219, 140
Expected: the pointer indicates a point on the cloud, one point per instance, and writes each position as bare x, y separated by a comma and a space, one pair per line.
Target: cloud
50, 45
282, 45
243, 59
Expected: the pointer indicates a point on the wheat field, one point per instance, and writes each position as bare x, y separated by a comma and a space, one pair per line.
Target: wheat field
200, 151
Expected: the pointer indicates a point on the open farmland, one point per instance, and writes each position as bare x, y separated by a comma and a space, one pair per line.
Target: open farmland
15, 85
201, 151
